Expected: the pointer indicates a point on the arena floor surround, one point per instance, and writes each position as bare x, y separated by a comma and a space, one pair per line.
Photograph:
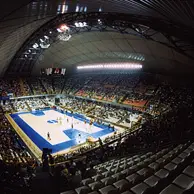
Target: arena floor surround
66, 130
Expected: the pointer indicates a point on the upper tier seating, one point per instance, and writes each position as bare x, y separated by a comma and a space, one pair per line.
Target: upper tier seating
36, 86
47, 85
143, 91
58, 84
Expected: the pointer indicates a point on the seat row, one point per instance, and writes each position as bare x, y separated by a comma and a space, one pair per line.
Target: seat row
147, 173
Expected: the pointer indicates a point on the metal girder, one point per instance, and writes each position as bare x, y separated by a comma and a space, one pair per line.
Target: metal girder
181, 45
146, 27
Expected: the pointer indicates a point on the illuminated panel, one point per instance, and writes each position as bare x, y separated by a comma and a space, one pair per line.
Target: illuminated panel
62, 28
112, 66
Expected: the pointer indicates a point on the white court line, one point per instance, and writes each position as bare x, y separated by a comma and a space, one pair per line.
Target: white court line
42, 127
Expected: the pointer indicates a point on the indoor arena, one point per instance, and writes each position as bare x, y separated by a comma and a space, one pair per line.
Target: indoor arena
96, 97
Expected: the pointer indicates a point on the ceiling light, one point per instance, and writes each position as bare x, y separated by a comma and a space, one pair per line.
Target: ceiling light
35, 45
112, 66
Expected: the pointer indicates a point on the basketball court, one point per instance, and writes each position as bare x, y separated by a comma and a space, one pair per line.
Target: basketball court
65, 130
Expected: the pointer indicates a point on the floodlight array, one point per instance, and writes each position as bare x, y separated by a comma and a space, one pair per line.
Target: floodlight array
112, 66
63, 28
80, 24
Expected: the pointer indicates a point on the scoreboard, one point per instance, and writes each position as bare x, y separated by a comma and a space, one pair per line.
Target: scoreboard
53, 71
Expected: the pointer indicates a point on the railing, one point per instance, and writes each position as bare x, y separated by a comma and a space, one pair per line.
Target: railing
111, 140
32, 96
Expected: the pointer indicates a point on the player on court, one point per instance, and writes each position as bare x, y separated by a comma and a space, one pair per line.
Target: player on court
60, 120
90, 126
79, 137
48, 136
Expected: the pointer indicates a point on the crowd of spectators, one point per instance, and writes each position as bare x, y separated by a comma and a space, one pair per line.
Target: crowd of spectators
35, 103
168, 97
12, 148
120, 88
35, 85
168, 118
19, 105
26, 104
77, 105
170, 127
10, 86
70, 174
58, 84
17, 166
97, 110
47, 84
111, 114
68, 85
26, 88
155, 133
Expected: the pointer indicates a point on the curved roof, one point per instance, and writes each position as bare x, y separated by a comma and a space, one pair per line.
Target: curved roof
12, 39
99, 47
17, 24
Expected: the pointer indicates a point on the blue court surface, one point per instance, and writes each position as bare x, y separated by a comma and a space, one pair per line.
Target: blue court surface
71, 130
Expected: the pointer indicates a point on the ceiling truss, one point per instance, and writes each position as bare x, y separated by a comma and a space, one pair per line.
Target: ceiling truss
178, 37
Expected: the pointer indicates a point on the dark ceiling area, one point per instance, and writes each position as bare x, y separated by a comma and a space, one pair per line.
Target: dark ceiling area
164, 28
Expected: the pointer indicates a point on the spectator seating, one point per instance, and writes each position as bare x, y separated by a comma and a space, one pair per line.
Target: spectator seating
167, 119
36, 86
58, 84
47, 85
142, 91
11, 147
168, 171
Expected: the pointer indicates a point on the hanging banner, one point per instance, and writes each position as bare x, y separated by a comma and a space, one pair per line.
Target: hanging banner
53, 71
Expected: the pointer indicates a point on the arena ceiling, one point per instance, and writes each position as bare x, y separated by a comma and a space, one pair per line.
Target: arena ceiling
99, 47
23, 19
